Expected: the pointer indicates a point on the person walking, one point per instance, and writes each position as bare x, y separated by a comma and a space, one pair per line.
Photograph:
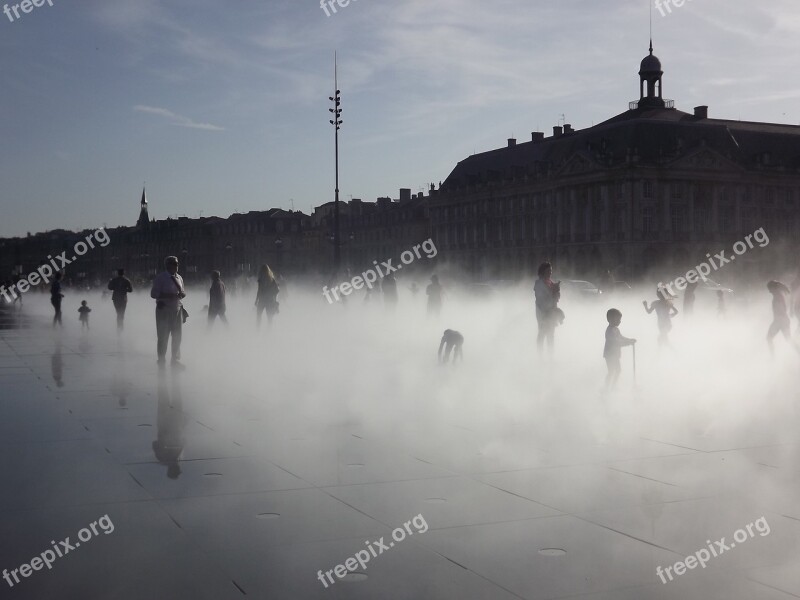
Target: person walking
216, 301
120, 287
55, 298
267, 295
547, 294
168, 291
434, 293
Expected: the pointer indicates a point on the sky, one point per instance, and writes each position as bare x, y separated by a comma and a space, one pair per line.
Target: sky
222, 107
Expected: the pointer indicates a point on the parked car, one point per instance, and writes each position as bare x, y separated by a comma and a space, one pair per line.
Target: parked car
577, 288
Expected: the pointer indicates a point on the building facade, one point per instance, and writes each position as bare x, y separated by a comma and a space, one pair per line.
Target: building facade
648, 190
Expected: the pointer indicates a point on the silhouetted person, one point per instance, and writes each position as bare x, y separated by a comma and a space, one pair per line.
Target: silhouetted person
720, 304
168, 291
451, 340
216, 302
55, 298
389, 288
84, 311
689, 298
267, 295
547, 293
171, 423
665, 310
120, 287
780, 313
612, 351
434, 293
414, 289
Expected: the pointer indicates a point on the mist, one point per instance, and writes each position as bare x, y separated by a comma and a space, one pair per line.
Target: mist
344, 394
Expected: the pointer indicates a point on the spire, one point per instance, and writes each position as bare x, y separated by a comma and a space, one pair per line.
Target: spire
144, 218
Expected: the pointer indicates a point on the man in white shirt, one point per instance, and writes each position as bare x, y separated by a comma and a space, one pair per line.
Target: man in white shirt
168, 291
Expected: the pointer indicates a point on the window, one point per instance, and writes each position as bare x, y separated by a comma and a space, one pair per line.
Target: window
648, 189
648, 224
678, 217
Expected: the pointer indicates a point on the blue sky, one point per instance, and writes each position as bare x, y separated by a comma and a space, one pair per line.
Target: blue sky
222, 106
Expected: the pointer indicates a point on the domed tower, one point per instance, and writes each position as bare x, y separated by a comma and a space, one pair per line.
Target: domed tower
650, 74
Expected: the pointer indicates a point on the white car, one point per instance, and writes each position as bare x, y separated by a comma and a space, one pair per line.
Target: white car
577, 288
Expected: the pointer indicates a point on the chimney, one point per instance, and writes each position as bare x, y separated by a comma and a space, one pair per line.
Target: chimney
700, 112
556, 131
567, 128
405, 194
537, 136
512, 142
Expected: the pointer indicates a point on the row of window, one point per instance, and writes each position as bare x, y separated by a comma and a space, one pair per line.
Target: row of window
544, 201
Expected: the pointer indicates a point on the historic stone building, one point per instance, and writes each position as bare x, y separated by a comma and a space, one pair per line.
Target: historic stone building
291, 242
652, 187
374, 230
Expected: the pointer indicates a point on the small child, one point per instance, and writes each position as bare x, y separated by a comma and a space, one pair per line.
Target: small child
451, 340
84, 311
720, 304
613, 348
665, 310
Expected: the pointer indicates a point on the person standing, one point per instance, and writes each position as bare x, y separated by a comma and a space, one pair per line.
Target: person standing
547, 294
267, 295
614, 342
55, 298
168, 291
216, 301
120, 287
665, 310
84, 311
389, 288
434, 292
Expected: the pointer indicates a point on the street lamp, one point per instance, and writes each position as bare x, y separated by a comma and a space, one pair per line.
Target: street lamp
336, 122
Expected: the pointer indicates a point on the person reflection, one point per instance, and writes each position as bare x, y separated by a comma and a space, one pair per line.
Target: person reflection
171, 423
57, 365
120, 384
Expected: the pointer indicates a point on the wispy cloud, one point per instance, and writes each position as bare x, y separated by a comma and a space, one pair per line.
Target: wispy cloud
176, 119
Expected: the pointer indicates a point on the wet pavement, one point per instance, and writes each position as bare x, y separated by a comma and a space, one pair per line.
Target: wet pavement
213, 493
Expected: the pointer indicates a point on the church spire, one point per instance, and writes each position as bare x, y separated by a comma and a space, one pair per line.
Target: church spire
144, 218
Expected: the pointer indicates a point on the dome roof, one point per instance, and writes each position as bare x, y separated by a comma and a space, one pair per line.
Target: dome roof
650, 63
